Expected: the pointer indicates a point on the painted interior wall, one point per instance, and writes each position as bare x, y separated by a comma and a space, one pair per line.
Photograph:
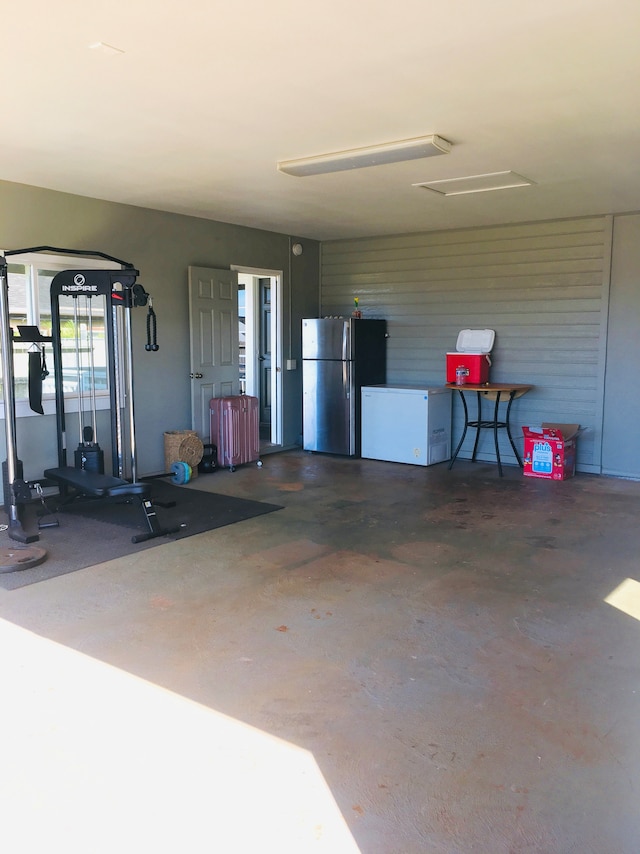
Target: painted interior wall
161, 246
543, 287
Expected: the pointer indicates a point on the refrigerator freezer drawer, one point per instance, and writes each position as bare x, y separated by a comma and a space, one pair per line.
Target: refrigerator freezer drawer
406, 425
326, 338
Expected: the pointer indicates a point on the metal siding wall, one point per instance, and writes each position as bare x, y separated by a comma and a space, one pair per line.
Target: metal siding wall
542, 286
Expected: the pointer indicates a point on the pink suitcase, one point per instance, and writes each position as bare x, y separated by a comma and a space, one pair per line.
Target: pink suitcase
235, 429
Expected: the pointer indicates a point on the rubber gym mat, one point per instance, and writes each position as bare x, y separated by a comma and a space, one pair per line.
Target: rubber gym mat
96, 531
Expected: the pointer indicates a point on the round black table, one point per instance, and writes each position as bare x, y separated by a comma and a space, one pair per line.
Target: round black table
500, 393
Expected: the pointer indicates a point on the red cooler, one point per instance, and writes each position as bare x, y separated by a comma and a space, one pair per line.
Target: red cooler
473, 349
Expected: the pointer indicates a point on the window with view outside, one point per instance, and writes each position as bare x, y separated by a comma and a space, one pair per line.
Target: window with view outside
82, 327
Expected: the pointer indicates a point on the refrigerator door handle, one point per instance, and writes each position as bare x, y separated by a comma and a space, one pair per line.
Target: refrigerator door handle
346, 343
346, 384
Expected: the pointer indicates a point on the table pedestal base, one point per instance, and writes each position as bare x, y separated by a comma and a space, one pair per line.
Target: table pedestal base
501, 393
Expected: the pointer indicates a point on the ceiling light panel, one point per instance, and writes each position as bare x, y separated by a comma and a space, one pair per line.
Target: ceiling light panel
476, 183
373, 155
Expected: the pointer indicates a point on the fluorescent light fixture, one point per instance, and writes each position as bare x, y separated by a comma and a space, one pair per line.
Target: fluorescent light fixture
476, 183
105, 49
372, 155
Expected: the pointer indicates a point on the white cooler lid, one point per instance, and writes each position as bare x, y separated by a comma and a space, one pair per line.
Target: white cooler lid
475, 341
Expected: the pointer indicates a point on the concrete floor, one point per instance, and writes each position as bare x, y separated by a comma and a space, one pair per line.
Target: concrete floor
432, 650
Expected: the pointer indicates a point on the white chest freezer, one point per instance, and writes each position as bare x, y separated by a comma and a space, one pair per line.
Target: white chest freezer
406, 424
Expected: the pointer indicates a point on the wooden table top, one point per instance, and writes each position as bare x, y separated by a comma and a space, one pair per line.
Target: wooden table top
491, 390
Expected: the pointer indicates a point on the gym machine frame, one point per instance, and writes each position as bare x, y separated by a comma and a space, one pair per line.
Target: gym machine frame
121, 294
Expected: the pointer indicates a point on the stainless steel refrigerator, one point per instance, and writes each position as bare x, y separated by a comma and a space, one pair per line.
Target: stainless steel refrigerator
338, 357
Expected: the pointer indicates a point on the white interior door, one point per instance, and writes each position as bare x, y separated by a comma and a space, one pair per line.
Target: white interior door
213, 327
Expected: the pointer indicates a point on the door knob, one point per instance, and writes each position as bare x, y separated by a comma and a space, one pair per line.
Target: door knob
196, 376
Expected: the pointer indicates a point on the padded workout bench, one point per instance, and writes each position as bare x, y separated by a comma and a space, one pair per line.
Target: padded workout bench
76, 483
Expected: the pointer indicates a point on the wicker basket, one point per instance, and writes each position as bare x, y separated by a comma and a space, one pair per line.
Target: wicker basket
182, 446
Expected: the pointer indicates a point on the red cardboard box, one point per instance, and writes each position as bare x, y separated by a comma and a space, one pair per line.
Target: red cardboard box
472, 353
550, 451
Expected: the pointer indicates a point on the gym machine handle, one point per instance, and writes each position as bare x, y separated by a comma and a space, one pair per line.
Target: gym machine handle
152, 329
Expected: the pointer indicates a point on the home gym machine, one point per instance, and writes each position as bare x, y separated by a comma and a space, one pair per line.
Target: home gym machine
84, 296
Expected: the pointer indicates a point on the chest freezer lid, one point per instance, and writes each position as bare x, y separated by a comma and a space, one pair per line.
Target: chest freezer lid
475, 340
404, 388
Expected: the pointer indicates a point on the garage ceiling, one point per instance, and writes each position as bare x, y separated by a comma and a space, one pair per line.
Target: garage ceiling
202, 98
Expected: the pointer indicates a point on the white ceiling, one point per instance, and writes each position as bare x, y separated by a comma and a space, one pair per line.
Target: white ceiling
209, 95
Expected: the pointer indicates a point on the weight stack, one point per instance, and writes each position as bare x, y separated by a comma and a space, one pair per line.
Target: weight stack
89, 458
